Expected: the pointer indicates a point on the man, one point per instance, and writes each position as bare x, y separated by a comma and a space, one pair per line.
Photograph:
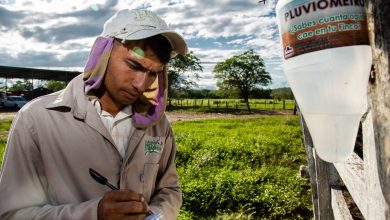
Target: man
109, 119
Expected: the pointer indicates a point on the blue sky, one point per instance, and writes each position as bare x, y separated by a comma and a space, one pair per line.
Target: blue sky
58, 34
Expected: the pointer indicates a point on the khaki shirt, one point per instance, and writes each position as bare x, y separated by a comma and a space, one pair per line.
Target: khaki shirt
53, 142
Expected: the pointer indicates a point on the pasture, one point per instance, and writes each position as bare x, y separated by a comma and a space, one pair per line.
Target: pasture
237, 168
242, 168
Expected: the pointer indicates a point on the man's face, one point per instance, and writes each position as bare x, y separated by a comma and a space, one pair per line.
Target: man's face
130, 71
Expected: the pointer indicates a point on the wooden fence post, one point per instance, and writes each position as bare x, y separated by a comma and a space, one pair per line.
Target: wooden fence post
378, 17
321, 175
367, 180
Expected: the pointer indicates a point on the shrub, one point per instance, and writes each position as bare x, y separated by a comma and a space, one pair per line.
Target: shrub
242, 167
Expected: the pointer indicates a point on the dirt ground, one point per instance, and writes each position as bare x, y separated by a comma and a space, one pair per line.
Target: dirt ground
7, 114
185, 116
180, 116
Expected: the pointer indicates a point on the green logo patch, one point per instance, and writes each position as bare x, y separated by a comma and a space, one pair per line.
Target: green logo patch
152, 146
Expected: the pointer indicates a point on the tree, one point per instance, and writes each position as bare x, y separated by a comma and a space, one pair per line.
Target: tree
258, 93
2, 88
243, 72
183, 73
282, 93
54, 85
21, 86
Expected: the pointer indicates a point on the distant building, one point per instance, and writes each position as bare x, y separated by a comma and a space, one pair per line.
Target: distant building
10, 73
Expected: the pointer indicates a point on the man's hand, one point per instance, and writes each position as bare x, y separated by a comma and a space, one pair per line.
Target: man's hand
122, 204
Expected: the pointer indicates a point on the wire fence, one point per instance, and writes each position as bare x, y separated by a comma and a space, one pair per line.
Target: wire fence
234, 104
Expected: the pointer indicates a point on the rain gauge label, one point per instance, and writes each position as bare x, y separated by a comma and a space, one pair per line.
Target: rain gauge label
308, 26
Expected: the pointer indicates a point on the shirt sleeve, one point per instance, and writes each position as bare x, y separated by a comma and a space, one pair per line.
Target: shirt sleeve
23, 186
167, 198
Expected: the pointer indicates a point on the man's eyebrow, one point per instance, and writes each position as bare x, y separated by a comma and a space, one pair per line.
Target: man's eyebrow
142, 68
138, 64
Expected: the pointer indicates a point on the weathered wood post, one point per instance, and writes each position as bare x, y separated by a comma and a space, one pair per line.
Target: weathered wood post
367, 179
378, 17
322, 177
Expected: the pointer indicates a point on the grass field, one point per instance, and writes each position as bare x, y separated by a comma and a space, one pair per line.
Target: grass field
242, 168
4, 127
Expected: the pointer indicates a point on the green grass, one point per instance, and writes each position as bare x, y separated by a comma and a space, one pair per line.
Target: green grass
242, 168
4, 127
237, 168
229, 105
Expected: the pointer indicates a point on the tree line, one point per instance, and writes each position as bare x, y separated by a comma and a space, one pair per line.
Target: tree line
257, 93
242, 76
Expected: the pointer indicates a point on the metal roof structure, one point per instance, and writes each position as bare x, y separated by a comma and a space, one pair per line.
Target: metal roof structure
10, 72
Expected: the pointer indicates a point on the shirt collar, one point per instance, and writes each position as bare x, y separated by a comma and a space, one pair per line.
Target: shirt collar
125, 112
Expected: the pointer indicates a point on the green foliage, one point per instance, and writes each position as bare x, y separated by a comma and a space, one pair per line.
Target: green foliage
282, 93
242, 167
21, 86
232, 93
2, 88
242, 72
258, 93
4, 127
178, 67
255, 93
237, 168
54, 85
202, 94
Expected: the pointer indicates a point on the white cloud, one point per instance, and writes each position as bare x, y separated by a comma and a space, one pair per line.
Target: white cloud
59, 33
53, 6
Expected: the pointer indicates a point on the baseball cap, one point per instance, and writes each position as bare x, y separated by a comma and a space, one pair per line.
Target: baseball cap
139, 24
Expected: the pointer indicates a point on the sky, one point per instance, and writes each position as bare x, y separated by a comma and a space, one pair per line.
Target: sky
58, 34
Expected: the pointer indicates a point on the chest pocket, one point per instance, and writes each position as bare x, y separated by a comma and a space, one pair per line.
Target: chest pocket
153, 149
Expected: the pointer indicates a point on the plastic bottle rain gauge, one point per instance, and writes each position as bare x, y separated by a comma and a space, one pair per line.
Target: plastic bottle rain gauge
327, 60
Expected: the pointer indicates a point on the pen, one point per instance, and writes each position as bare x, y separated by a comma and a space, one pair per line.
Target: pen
101, 179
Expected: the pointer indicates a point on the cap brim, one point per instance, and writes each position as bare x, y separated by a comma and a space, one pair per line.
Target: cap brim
177, 42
